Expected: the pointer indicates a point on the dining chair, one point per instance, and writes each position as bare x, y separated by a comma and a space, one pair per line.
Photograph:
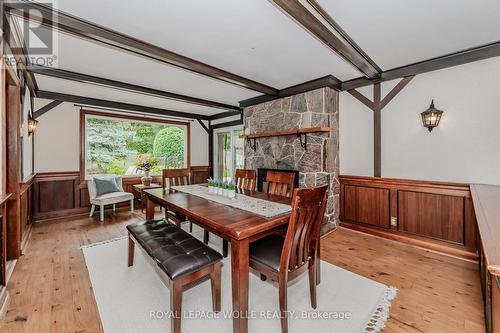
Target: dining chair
245, 179
176, 177
110, 198
284, 258
280, 183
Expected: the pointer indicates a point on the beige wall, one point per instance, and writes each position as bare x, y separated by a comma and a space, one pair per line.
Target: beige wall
464, 148
57, 140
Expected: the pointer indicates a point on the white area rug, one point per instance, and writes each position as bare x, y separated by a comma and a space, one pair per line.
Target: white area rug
134, 299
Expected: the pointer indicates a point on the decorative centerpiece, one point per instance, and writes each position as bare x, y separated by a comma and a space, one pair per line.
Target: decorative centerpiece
223, 188
146, 162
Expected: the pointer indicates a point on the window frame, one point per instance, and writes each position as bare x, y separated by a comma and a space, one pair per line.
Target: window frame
231, 129
113, 116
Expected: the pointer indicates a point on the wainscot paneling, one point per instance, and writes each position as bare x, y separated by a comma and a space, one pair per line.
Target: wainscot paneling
367, 205
60, 194
435, 215
26, 209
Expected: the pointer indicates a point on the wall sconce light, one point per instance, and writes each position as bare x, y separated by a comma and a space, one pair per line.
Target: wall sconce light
32, 124
431, 117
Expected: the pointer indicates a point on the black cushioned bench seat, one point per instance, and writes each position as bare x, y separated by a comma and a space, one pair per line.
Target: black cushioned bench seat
175, 251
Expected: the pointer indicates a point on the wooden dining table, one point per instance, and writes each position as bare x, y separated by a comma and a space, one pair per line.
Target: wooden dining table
238, 226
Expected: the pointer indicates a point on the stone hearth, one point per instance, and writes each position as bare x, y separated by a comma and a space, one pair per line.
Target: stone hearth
318, 165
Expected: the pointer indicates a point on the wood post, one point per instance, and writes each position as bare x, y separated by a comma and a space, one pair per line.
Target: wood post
377, 105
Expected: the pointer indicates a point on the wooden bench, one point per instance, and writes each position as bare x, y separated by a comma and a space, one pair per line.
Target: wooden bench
179, 258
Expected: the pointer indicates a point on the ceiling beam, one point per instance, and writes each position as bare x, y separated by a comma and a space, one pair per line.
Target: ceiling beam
226, 114
43, 110
449, 60
335, 41
84, 78
80, 28
16, 44
324, 14
117, 105
227, 124
326, 81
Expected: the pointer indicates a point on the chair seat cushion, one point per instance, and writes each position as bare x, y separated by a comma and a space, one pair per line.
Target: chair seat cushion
267, 251
174, 250
111, 198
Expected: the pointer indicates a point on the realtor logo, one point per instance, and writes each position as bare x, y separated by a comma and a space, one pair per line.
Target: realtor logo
36, 28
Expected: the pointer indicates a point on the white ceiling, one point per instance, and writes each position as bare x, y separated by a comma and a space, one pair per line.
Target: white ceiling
254, 39
251, 38
395, 33
111, 94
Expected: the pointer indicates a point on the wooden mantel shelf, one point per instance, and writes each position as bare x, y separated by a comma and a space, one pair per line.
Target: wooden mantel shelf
287, 132
301, 133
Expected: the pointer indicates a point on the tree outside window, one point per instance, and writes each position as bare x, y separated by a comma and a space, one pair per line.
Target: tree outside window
114, 144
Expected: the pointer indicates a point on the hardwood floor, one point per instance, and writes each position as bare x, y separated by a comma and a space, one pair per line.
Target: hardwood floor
51, 291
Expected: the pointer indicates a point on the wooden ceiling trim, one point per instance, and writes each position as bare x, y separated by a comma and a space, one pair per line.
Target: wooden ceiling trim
377, 105
401, 84
313, 25
328, 18
449, 60
326, 81
43, 110
15, 41
117, 105
84, 78
78, 27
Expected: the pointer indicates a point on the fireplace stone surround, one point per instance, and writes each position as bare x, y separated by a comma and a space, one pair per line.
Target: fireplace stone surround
319, 163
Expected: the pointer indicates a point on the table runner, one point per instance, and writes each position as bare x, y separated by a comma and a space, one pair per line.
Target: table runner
253, 205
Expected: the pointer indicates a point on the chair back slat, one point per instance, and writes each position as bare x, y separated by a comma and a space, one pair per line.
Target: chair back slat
301, 241
176, 177
280, 183
245, 179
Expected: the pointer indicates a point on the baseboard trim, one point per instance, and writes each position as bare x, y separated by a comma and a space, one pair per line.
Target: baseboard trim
430, 245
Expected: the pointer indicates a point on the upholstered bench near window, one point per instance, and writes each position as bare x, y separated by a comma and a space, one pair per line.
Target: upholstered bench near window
179, 258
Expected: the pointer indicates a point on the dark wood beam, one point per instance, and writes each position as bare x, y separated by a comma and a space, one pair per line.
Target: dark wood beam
360, 97
328, 18
225, 115
326, 81
449, 60
377, 131
13, 38
377, 106
46, 108
313, 25
80, 28
228, 124
203, 125
117, 105
79, 77
401, 84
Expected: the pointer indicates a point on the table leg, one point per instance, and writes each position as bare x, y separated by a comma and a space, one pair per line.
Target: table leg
240, 277
150, 210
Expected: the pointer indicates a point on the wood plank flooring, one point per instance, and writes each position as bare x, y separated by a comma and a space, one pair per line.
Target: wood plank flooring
51, 291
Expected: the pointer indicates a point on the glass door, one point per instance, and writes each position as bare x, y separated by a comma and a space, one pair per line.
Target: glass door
229, 153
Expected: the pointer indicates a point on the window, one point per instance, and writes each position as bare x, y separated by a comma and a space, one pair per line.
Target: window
114, 142
229, 152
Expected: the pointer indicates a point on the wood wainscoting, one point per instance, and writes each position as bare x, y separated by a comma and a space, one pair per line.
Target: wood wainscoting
62, 194
434, 215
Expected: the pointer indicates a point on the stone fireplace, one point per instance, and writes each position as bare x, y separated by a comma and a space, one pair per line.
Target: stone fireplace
319, 163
